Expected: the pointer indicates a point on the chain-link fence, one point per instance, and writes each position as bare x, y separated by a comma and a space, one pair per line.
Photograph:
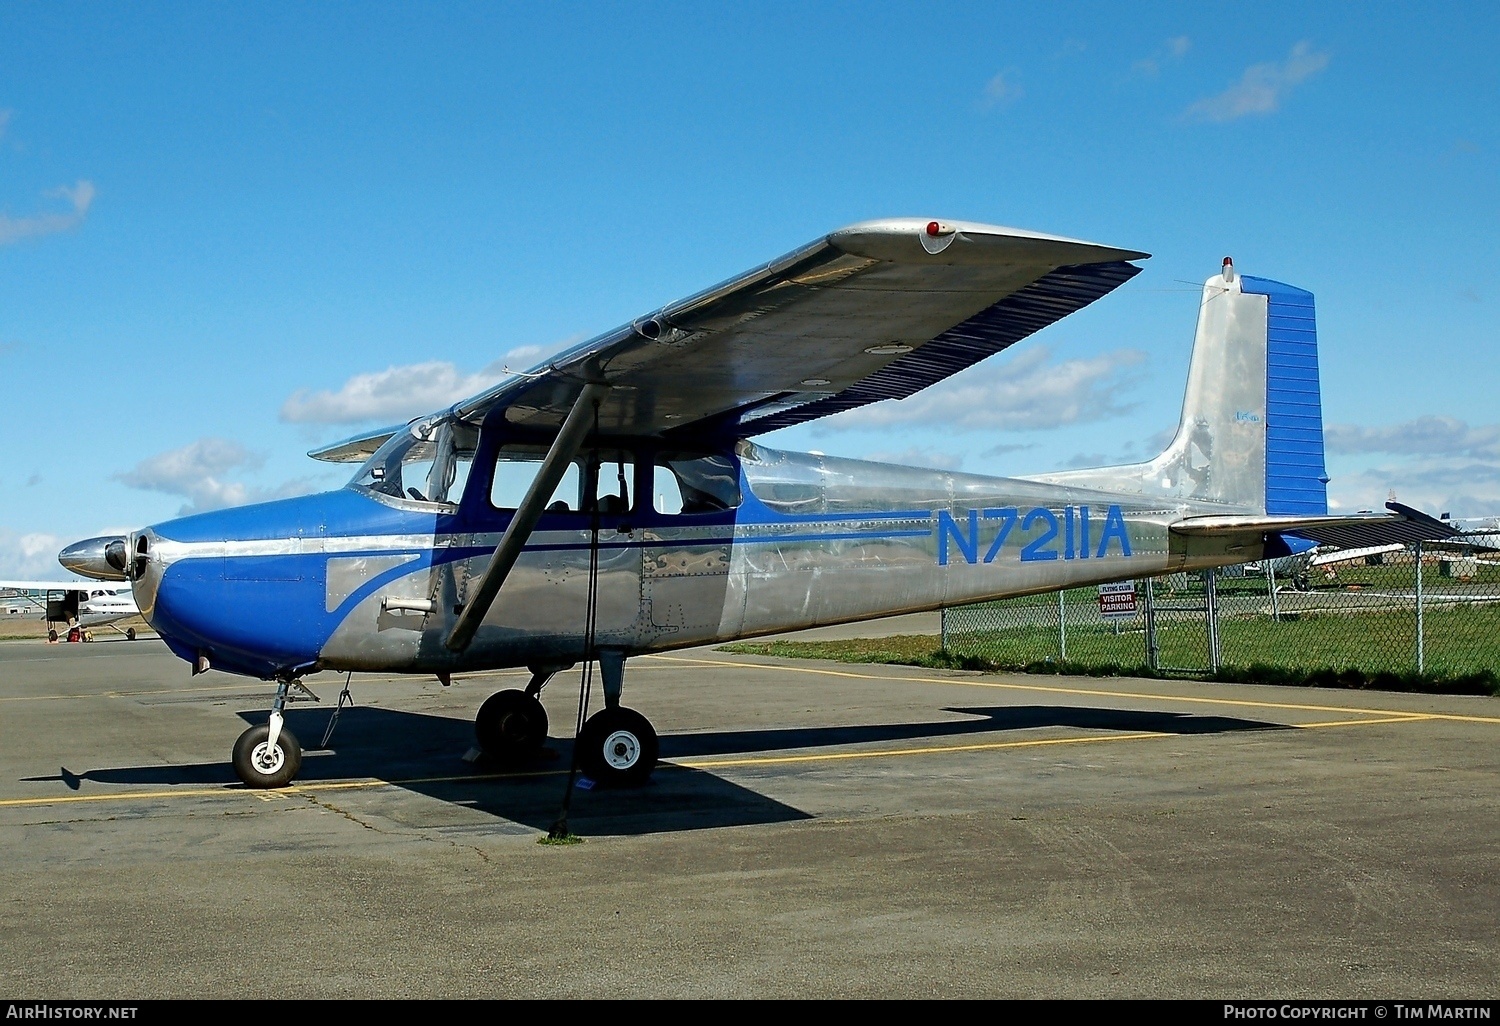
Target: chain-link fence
1389, 612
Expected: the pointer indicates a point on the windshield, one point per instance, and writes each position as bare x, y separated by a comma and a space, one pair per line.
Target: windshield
426, 462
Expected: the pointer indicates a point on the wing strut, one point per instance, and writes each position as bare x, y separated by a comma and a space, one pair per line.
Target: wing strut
569, 440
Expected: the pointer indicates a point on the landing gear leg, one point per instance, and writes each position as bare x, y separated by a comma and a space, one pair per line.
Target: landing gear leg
512, 724
617, 746
269, 755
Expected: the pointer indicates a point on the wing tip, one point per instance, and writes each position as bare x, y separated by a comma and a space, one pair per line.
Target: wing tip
876, 238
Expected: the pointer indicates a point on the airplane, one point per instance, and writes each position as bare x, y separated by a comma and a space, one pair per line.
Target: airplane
77, 606
611, 501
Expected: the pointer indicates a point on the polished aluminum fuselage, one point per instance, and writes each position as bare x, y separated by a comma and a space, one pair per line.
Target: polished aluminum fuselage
351, 580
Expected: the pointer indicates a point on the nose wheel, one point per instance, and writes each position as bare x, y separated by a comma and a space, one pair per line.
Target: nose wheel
269, 755
261, 762
618, 747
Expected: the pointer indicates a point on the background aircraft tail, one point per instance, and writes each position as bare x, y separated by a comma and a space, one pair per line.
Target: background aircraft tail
1251, 434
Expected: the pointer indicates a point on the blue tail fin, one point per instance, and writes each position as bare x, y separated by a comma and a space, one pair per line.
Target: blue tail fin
1251, 434
1296, 479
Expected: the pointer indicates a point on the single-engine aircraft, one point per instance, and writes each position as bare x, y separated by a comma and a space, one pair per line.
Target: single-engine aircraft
611, 502
73, 609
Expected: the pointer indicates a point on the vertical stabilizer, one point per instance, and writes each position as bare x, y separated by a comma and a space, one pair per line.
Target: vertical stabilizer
1251, 434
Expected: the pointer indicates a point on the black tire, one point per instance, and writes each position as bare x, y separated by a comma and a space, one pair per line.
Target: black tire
280, 770
129, 633
511, 726
618, 748
51, 634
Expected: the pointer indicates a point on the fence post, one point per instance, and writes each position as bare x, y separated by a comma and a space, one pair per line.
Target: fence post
1211, 593
1271, 583
943, 628
1153, 651
1062, 629
1421, 661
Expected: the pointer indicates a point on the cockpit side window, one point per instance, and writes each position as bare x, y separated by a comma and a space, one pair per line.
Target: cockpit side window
516, 467
605, 475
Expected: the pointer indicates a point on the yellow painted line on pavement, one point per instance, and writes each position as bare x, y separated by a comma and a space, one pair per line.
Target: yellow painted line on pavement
895, 752
295, 789
247, 686
317, 787
1096, 693
1361, 722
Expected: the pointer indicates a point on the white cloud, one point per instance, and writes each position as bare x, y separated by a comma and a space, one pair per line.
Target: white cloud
1024, 393
917, 456
30, 556
80, 197
1005, 449
1262, 87
1173, 49
1441, 464
1000, 91
198, 472
401, 393
1425, 436
1462, 486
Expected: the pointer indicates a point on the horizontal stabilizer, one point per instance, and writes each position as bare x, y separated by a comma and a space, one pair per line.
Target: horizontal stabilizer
1402, 525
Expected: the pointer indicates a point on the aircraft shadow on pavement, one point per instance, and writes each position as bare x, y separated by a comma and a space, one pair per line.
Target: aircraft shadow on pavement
421, 753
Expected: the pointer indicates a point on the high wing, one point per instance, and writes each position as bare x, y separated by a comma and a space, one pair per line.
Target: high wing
356, 448
875, 311
79, 585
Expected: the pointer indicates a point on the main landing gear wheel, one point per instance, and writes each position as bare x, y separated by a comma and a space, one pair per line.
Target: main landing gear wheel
260, 765
511, 725
618, 747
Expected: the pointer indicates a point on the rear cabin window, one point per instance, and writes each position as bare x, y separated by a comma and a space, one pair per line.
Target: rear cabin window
688, 483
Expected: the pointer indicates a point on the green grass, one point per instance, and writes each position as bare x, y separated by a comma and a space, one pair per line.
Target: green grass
565, 839
1357, 629
1460, 640
1314, 651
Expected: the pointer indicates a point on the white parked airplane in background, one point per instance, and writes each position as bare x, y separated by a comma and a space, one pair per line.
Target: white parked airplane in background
70, 606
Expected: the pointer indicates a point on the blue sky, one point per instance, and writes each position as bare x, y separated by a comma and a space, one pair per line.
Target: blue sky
229, 233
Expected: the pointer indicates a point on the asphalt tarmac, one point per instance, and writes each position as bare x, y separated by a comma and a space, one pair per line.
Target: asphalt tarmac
815, 830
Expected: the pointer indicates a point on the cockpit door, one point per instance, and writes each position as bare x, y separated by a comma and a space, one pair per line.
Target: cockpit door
545, 599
